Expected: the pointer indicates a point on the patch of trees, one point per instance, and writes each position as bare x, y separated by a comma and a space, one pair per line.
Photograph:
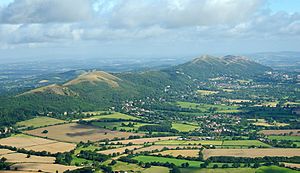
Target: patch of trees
3, 164
64, 158
90, 155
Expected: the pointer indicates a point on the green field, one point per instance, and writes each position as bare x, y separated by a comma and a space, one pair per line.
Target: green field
285, 138
39, 122
227, 170
274, 169
177, 162
115, 115
207, 92
215, 142
209, 107
183, 127
118, 125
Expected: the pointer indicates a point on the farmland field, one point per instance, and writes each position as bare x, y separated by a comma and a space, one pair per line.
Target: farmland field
118, 125
206, 107
22, 158
207, 92
291, 132
115, 115
254, 152
215, 142
286, 138
146, 140
183, 127
227, 170
274, 169
160, 147
41, 166
184, 153
119, 150
76, 132
177, 162
36, 144
39, 122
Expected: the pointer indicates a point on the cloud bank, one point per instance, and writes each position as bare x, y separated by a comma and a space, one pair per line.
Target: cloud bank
56, 22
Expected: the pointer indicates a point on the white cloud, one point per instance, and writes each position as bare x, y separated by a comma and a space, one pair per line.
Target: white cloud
46, 11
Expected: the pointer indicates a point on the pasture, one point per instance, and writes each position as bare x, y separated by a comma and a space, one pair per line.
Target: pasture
284, 138
253, 152
273, 169
184, 127
219, 170
221, 108
119, 126
39, 122
184, 153
77, 132
36, 144
207, 92
177, 162
115, 115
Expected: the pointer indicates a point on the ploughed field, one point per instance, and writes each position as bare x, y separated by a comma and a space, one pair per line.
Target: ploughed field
74, 132
291, 132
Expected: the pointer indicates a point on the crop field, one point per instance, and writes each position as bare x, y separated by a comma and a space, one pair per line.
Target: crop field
39, 122
177, 162
120, 150
291, 132
36, 167
238, 101
128, 167
22, 158
77, 132
184, 153
285, 138
115, 115
184, 127
206, 107
273, 169
160, 147
253, 152
146, 140
215, 142
5, 151
292, 165
118, 125
207, 92
36, 144
227, 170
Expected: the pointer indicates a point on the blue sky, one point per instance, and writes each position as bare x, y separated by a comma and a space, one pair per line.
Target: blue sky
146, 28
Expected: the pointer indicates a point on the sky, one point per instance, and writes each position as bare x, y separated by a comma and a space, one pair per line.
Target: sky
145, 28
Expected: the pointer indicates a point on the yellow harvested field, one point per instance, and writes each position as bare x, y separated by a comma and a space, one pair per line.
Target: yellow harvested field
295, 132
5, 151
207, 92
37, 144
253, 152
160, 147
74, 132
146, 140
184, 153
292, 165
22, 158
120, 150
31, 167
53, 147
